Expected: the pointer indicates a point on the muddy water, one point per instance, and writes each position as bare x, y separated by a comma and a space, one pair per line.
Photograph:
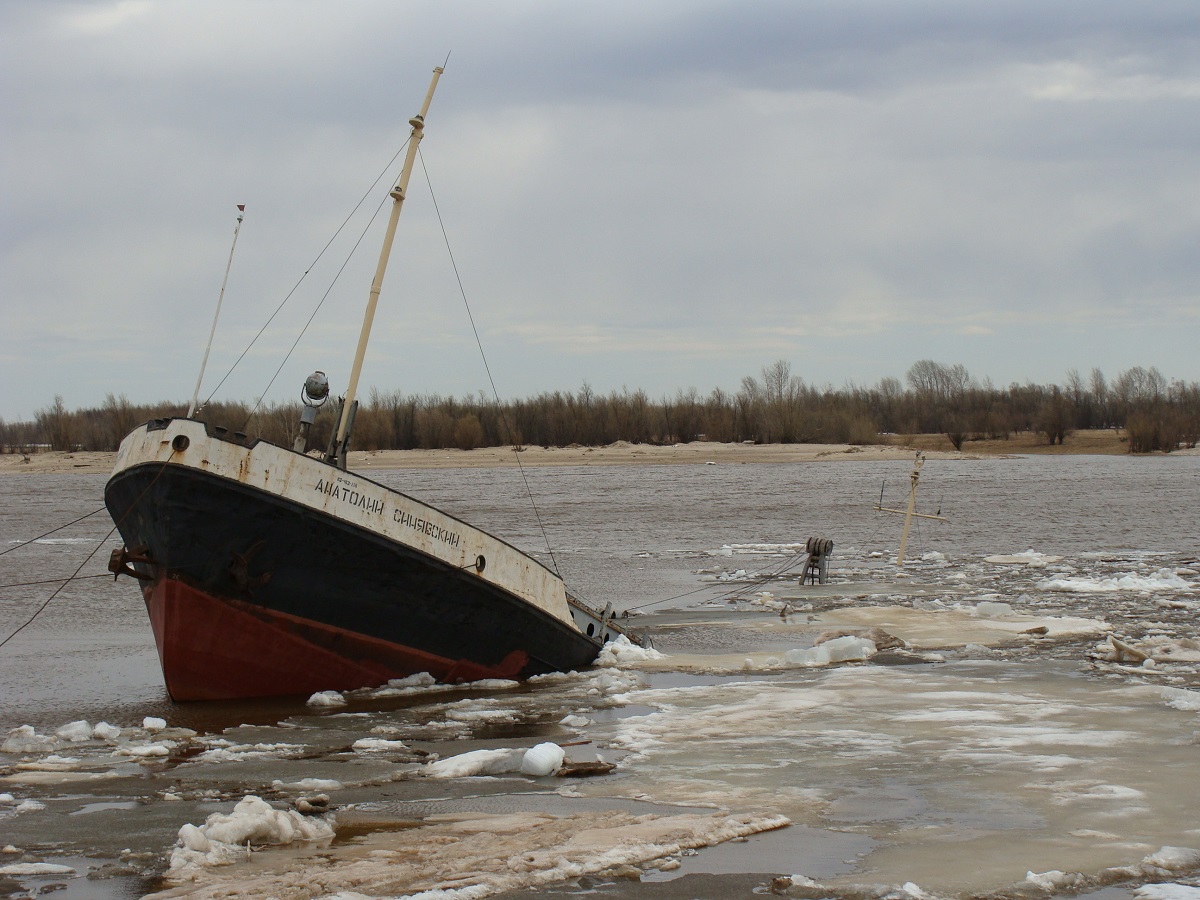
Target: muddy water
983, 756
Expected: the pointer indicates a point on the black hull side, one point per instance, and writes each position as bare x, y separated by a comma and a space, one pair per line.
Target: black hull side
238, 542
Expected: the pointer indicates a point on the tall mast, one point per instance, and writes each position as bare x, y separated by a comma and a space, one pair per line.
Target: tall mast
221, 296
397, 193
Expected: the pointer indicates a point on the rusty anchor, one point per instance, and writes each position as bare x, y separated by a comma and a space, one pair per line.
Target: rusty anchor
119, 563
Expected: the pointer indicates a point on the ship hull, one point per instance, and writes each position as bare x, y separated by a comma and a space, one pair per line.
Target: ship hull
254, 591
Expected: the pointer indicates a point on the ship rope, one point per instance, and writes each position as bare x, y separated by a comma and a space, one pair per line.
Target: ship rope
321, 303
300, 281
487, 368
75, 576
48, 533
58, 590
760, 580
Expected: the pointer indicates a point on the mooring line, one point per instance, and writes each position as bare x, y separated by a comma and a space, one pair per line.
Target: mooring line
58, 590
50, 532
488, 369
88, 558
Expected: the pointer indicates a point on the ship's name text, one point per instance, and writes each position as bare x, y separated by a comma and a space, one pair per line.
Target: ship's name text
437, 532
350, 495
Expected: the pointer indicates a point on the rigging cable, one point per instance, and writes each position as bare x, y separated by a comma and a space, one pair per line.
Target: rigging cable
88, 558
479, 343
324, 297
300, 281
758, 581
50, 532
52, 580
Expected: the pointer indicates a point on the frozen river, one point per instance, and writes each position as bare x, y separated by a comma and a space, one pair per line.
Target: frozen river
1033, 733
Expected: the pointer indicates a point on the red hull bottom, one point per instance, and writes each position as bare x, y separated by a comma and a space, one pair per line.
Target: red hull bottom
215, 648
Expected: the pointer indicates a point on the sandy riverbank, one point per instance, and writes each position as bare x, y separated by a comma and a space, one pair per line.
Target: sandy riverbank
622, 453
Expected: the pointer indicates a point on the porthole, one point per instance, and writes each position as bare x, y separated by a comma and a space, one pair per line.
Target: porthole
591, 629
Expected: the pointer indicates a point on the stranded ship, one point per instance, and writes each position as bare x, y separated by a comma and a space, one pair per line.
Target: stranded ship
270, 571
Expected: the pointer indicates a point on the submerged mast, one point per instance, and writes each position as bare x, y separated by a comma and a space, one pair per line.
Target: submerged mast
221, 296
910, 512
337, 452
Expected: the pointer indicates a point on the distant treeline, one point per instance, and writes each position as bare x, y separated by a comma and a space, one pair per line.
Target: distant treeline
777, 407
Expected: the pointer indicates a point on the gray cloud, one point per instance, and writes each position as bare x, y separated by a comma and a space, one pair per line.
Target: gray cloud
653, 195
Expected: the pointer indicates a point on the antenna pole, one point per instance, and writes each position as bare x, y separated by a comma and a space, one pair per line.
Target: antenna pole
397, 193
221, 296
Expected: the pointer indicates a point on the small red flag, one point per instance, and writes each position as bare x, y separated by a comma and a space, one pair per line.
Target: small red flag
241, 207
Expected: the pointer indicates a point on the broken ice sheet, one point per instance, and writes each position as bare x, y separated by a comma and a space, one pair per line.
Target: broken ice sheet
1002, 763
474, 854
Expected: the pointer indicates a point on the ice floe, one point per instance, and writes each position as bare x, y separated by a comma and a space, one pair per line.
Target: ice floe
455, 856
476, 762
36, 869
308, 784
1030, 558
147, 750
621, 652
76, 732
1161, 580
1167, 892
377, 745
224, 750
543, 759
103, 731
842, 649
25, 739
225, 837
1039, 757
326, 699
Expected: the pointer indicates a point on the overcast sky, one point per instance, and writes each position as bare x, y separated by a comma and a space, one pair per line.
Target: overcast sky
658, 195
